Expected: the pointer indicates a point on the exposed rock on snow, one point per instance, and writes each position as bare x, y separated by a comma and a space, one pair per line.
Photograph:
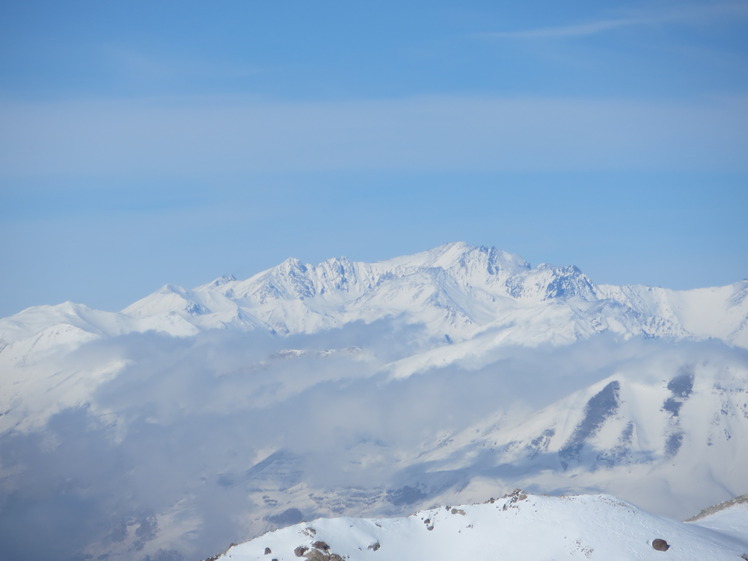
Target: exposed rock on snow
519, 526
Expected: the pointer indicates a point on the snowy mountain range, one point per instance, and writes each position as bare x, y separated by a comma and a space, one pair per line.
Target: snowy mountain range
198, 417
454, 290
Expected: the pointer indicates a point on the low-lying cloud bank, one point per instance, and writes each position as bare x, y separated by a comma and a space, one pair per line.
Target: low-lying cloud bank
168, 459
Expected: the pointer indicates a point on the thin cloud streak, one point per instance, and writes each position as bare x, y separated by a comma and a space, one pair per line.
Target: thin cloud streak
139, 66
434, 133
579, 30
683, 15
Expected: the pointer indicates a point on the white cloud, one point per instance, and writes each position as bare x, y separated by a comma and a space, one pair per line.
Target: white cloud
181, 427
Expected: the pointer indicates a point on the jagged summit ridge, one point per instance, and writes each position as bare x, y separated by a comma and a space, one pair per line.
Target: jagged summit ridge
456, 290
293, 279
455, 286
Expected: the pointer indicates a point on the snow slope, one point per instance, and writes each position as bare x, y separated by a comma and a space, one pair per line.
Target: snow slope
520, 526
646, 432
730, 517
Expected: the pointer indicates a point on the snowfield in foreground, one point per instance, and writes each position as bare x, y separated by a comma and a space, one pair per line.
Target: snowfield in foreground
517, 527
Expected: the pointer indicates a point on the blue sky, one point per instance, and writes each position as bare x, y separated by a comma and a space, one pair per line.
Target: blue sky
152, 142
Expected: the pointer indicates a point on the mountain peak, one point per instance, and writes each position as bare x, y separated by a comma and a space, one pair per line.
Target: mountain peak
291, 264
461, 255
222, 280
455, 289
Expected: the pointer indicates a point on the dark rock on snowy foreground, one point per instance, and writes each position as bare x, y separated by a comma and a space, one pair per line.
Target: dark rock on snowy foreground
520, 526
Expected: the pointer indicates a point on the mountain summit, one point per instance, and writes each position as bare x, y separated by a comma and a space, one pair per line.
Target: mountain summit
456, 291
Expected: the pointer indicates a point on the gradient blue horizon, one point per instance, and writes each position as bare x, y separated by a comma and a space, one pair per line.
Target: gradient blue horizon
174, 142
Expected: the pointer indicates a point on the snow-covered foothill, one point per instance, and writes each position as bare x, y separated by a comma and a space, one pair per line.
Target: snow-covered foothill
645, 432
520, 526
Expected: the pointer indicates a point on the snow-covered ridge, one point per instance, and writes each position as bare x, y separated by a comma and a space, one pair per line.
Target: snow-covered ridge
648, 427
457, 291
518, 526
712, 510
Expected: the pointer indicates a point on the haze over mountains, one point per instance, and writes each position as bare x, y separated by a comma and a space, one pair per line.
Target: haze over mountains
198, 417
